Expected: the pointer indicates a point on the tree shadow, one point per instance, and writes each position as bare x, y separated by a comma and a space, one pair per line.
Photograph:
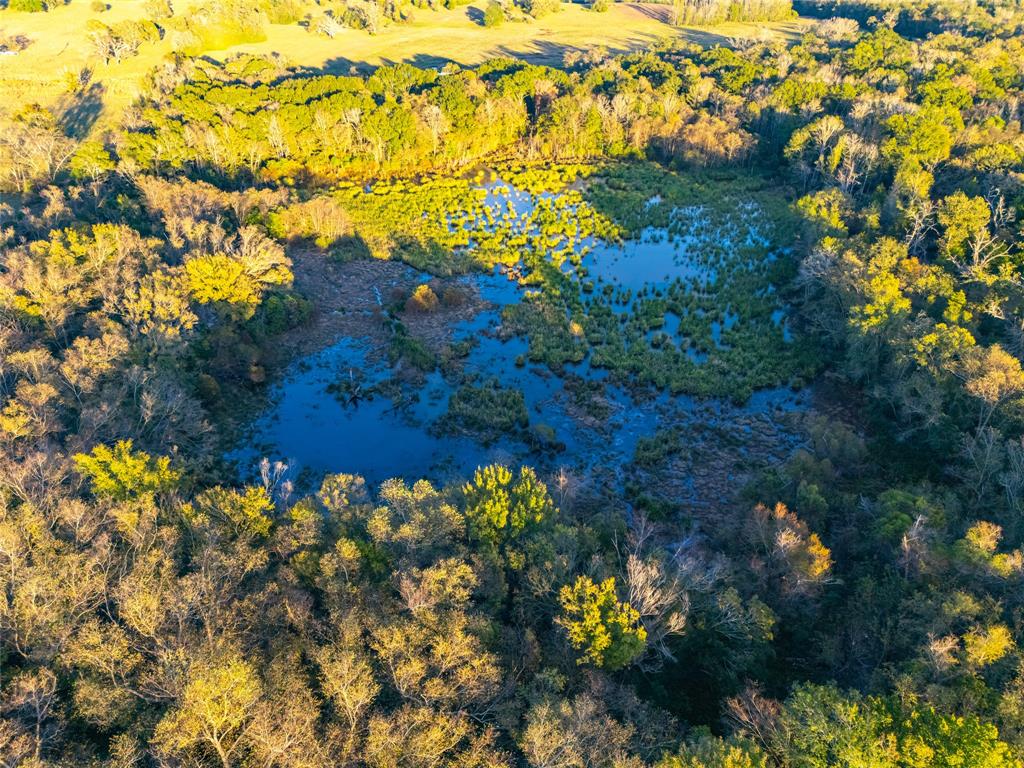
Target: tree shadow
531, 52
657, 12
344, 66
553, 54
78, 113
475, 15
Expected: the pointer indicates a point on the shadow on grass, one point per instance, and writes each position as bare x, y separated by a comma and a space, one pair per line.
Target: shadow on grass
78, 113
533, 52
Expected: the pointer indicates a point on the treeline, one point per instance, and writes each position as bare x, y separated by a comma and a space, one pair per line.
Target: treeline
718, 11
247, 122
480, 625
919, 18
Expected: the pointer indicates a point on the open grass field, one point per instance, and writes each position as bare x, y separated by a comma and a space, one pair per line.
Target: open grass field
60, 48
434, 38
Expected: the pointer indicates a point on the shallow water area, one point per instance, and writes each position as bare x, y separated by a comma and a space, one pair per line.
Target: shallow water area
312, 429
652, 261
344, 409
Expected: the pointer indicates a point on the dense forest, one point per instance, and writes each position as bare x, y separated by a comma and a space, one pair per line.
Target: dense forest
856, 602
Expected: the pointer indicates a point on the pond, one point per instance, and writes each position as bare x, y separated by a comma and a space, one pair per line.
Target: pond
344, 409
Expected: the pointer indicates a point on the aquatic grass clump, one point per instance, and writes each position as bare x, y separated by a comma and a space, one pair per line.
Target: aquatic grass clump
651, 452
725, 339
546, 178
487, 411
407, 348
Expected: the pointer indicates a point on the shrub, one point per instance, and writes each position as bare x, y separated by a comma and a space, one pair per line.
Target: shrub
282, 11
453, 296
158, 9
494, 15
27, 6
538, 8
98, 6
600, 5
214, 27
423, 299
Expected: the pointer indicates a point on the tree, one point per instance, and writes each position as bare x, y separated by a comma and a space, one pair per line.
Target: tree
577, 732
32, 695
883, 48
237, 277
348, 681
122, 40
494, 14
607, 630
418, 525
539, 8
220, 279
286, 731
244, 513
921, 139
710, 140
91, 161
33, 149
704, 750
823, 728
157, 309
994, 377
795, 555
436, 660
120, 473
500, 506
966, 239
215, 711
928, 737
419, 737
28, 6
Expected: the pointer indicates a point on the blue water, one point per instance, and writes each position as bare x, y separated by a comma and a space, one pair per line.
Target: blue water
317, 432
653, 260
309, 428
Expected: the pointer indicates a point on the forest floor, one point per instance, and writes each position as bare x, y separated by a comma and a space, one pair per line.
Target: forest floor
350, 299
60, 48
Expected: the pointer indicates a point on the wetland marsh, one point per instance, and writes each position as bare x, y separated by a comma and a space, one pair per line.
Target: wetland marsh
572, 319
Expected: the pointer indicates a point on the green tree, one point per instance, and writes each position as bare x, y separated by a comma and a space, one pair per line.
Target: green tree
28, 6
501, 506
703, 750
825, 728
244, 513
120, 473
607, 630
91, 161
923, 138
494, 14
